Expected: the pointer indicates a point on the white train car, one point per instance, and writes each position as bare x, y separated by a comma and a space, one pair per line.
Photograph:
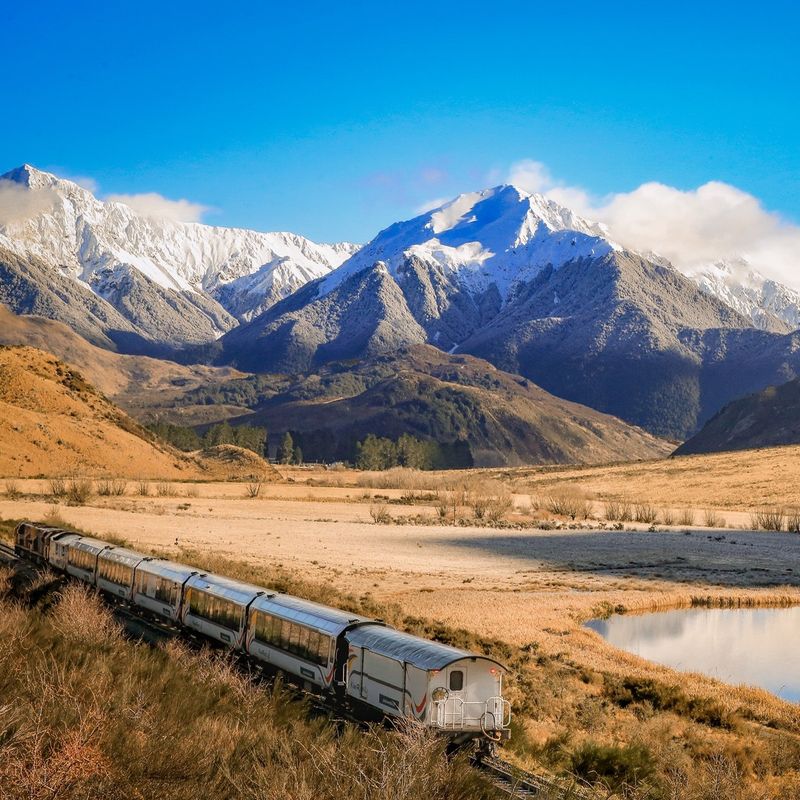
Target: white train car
158, 586
217, 607
443, 687
57, 549
116, 569
298, 636
82, 555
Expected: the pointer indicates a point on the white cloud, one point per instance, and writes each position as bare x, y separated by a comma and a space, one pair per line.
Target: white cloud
18, 202
692, 228
152, 204
429, 205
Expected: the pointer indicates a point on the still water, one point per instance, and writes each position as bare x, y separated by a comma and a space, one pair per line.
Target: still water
758, 647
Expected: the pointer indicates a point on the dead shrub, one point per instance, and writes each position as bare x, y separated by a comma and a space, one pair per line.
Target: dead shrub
667, 517
58, 487
13, 492
711, 519
119, 487
164, 489
79, 490
499, 505
686, 517
768, 519
79, 615
793, 520
143, 489
380, 514
645, 512
192, 491
567, 503
253, 489
618, 511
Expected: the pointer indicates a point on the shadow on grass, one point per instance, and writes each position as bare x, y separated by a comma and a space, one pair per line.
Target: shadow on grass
724, 558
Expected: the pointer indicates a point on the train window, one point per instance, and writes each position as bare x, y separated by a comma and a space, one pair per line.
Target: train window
456, 680
284, 640
302, 641
312, 645
294, 639
323, 653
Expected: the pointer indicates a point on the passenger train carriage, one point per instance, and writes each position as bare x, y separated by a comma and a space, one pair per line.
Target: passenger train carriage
366, 664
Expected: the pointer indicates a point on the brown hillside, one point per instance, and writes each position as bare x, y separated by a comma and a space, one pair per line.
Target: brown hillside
53, 422
506, 420
137, 383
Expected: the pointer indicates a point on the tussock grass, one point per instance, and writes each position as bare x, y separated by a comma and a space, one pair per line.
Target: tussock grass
711, 519
105, 718
253, 490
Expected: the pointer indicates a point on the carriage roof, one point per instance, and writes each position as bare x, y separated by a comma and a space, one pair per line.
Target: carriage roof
400, 646
305, 612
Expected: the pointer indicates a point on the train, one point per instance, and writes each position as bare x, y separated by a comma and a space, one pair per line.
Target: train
362, 663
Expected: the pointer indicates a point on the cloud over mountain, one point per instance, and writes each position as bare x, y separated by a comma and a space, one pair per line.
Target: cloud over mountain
692, 228
152, 204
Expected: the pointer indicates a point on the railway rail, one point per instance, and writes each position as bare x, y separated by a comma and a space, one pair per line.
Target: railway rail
509, 780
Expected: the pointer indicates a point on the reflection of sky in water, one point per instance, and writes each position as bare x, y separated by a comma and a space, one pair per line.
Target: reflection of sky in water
759, 647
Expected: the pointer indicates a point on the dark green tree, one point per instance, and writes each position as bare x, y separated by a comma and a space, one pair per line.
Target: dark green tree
286, 449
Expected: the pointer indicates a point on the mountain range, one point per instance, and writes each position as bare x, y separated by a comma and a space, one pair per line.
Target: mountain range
142, 283
502, 274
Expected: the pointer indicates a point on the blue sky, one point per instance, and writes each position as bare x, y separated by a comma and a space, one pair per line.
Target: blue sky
335, 119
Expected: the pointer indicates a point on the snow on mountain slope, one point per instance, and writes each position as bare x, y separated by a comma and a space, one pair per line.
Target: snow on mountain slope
501, 236
91, 240
760, 299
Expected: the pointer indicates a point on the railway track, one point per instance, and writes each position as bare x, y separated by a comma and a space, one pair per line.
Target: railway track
512, 781
509, 780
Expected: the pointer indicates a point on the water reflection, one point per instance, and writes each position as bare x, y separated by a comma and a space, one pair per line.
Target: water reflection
759, 647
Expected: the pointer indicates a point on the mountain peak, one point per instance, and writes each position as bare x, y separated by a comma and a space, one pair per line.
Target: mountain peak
29, 176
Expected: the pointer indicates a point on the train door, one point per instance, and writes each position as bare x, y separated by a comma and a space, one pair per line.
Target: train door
457, 707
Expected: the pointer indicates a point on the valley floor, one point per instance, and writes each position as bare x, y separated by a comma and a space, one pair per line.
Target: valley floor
530, 588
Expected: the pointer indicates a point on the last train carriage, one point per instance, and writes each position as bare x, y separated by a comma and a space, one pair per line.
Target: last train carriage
362, 662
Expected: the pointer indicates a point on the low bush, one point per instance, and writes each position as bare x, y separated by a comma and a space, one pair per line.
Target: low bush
78, 491
569, 504
616, 767
13, 492
58, 487
164, 489
143, 489
380, 514
625, 692
108, 488
253, 489
686, 517
618, 511
711, 519
645, 512
768, 519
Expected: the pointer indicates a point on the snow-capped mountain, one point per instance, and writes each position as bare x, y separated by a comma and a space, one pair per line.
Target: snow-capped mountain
501, 236
110, 248
529, 286
760, 299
